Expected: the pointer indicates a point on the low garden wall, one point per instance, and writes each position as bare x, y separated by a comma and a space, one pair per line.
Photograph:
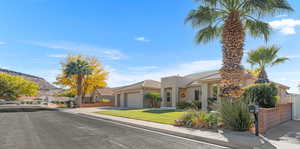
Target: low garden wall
100, 104
269, 117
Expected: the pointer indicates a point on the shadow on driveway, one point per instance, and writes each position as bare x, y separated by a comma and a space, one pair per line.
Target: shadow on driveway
288, 132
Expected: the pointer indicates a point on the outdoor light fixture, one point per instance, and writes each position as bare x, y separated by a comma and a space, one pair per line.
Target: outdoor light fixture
255, 109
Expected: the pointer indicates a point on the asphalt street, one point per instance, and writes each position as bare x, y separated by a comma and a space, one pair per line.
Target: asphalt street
59, 130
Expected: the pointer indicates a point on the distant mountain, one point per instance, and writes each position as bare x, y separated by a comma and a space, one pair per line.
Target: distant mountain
43, 84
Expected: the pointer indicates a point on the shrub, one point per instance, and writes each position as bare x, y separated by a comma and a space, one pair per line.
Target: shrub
213, 119
183, 105
196, 105
103, 100
155, 99
263, 94
235, 115
198, 119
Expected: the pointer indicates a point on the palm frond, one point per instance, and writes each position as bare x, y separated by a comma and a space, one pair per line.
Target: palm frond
279, 61
265, 7
265, 56
258, 28
203, 16
208, 34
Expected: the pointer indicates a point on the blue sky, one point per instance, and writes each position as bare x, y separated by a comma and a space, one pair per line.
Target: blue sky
134, 39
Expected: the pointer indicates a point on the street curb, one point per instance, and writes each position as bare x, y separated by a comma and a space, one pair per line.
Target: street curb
188, 136
6, 109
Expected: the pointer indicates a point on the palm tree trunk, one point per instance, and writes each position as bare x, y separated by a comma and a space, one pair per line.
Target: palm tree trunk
262, 76
79, 90
233, 43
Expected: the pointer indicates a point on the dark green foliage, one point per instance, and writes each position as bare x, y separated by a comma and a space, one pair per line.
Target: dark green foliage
155, 99
183, 105
186, 105
66, 93
236, 115
196, 105
263, 94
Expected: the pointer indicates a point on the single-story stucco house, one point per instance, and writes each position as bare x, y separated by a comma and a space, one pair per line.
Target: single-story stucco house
103, 93
201, 86
132, 96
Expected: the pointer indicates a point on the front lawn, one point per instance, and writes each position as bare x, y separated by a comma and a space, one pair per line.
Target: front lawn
159, 116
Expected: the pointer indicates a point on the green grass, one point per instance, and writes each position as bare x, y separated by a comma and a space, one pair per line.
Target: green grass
159, 116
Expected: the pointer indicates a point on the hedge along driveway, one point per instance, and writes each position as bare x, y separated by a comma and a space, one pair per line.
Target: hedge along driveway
159, 116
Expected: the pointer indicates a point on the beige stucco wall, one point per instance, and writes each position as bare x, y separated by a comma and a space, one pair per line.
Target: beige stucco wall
142, 92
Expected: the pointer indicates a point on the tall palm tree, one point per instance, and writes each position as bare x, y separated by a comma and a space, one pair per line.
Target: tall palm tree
230, 20
78, 68
263, 57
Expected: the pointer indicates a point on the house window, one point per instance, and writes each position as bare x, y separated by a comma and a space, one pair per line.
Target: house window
197, 92
168, 96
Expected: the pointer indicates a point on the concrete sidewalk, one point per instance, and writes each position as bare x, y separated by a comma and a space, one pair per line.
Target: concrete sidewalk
220, 137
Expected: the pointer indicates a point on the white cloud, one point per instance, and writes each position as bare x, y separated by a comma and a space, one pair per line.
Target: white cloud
76, 48
293, 56
285, 26
2, 43
142, 39
117, 78
281, 16
58, 55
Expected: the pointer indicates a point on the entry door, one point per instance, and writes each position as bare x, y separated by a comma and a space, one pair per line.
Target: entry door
168, 99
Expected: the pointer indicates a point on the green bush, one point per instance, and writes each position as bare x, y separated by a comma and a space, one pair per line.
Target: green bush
183, 105
198, 119
155, 99
186, 105
196, 105
213, 119
103, 100
263, 94
236, 115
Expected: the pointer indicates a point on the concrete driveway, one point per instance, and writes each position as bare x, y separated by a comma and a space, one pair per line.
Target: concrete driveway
286, 132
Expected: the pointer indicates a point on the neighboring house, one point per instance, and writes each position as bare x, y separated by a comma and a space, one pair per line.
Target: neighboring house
133, 95
201, 86
103, 93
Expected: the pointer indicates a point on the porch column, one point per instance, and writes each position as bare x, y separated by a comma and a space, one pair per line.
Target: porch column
174, 96
122, 99
142, 95
204, 97
162, 95
116, 100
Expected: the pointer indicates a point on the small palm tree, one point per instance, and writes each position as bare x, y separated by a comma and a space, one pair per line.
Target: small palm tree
78, 68
263, 57
230, 20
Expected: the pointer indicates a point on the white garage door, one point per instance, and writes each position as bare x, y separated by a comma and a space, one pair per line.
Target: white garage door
296, 106
134, 100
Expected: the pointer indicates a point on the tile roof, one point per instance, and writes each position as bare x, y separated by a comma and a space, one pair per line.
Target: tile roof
143, 84
105, 91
